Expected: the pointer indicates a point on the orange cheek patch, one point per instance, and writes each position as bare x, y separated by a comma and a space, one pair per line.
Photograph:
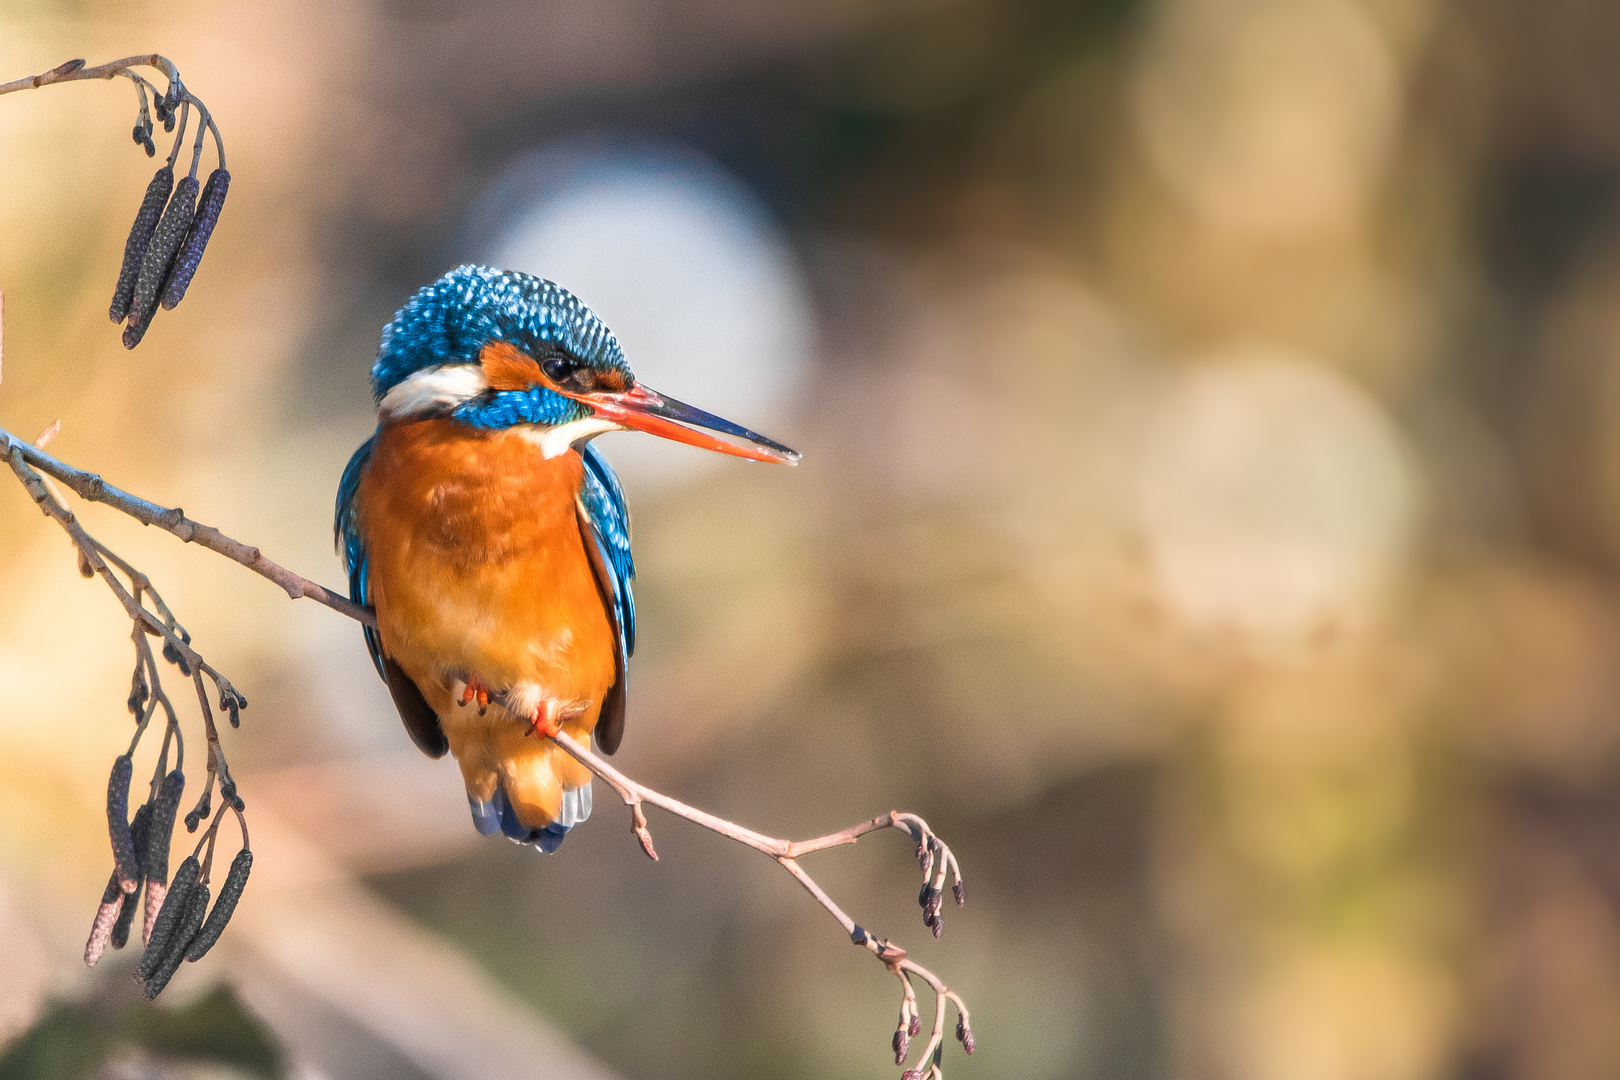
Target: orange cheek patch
507, 367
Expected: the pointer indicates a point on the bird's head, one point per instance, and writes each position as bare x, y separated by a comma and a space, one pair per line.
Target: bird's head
500, 349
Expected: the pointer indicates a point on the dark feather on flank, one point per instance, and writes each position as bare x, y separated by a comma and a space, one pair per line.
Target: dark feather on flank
421, 722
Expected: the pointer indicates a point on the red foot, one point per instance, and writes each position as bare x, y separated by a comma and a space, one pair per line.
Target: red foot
549, 717
545, 720
476, 691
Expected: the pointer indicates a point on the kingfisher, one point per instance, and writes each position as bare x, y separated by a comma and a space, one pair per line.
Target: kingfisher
492, 539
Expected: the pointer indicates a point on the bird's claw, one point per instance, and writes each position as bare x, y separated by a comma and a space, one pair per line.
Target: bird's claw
476, 691
549, 716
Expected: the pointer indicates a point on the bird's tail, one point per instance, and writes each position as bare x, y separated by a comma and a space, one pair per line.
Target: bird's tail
526, 788
497, 815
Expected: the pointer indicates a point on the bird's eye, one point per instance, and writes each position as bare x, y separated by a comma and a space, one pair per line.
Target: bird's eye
558, 368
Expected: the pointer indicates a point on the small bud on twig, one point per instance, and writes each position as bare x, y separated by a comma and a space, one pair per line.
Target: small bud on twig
964, 1035
902, 1044
200, 811
140, 236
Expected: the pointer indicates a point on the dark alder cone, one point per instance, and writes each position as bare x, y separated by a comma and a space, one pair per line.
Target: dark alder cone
229, 894
166, 240
126, 914
138, 831
156, 859
196, 906
123, 841
202, 227
175, 906
140, 235
161, 830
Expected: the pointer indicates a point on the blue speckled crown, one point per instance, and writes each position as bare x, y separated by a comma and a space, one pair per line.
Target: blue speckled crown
450, 321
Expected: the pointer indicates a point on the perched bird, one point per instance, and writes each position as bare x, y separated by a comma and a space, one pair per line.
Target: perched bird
493, 541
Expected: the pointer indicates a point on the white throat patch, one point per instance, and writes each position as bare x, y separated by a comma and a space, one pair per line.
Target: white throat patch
432, 390
554, 441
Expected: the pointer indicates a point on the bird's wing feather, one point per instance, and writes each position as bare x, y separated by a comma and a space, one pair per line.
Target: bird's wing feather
421, 722
605, 521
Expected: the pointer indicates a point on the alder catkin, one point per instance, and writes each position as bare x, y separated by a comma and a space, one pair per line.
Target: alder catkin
112, 902
138, 830
161, 830
229, 894
140, 235
196, 906
126, 914
166, 239
175, 906
202, 227
123, 841
159, 836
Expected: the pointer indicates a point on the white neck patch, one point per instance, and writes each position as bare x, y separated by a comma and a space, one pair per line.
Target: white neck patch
433, 390
554, 441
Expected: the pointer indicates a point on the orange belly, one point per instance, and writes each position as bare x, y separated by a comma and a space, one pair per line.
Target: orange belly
477, 566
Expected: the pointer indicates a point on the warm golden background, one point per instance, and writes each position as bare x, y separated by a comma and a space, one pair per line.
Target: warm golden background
1209, 521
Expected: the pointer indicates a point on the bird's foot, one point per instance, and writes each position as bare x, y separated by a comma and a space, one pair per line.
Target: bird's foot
550, 715
476, 691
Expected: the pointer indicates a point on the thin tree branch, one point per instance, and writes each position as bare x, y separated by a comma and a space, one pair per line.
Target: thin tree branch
75, 71
92, 487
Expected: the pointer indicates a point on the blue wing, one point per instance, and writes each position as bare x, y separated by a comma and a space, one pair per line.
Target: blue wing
608, 522
421, 722
346, 534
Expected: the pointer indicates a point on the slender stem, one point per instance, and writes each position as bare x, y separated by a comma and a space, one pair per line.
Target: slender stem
75, 71
92, 487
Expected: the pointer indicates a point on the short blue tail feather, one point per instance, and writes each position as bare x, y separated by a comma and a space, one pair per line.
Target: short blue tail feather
497, 815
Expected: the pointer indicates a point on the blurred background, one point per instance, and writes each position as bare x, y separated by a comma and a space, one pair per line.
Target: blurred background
1209, 521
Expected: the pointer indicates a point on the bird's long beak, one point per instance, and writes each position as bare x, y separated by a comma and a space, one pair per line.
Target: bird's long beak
649, 411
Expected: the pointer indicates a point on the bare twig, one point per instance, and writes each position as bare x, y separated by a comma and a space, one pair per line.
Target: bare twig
75, 71
935, 856
92, 487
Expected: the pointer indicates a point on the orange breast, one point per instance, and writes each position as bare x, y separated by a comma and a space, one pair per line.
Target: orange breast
477, 564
